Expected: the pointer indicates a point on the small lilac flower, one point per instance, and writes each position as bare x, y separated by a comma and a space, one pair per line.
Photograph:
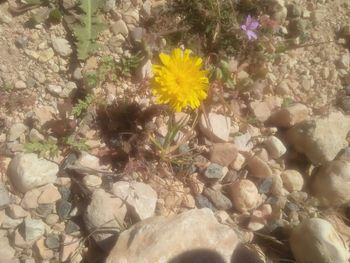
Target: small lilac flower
249, 27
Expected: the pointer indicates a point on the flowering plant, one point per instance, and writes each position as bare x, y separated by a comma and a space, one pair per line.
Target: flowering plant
249, 27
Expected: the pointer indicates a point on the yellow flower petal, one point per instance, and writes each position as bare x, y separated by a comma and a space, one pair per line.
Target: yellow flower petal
180, 82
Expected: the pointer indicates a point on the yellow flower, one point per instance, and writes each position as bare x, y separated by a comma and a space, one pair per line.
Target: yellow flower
179, 81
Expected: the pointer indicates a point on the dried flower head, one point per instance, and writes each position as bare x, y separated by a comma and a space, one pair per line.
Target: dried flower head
179, 81
249, 27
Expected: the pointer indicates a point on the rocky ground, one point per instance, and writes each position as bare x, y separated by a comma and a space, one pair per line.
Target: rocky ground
260, 174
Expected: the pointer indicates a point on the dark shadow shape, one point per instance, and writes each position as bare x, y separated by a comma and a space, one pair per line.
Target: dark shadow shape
198, 256
242, 254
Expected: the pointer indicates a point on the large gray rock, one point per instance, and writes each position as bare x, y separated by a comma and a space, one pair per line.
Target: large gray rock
104, 211
331, 184
316, 241
28, 171
162, 239
322, 138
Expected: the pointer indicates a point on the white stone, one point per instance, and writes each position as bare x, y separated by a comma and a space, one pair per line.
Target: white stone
331, 183
16, 211
141, 197
322, 138
92, 181
162, 239
33, 229
244, 195
216, 127
316, 241
61, 46
275, 147
54, 89
292, 180
28, 171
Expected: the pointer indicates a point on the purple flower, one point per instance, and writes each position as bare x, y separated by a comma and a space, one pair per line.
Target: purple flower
249, 27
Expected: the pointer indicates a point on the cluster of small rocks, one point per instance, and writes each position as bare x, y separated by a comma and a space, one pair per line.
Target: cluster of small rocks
276, 173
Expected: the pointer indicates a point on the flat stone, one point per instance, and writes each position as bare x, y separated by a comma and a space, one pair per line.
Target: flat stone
204, 202
216, 127
195, 229
275, 147
44, 252
16, 211
28, 171
258, 167
139, 196
49, 194
289, 116
20, 84
223, 153
9, 223
220, 201
120, 27
52, 241
30, 199
33, 229
215, 171
44, 209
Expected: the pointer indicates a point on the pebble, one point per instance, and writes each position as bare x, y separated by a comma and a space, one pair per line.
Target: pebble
71, 227
217, 128
46, 55
49, 194
35, 135
104, 210
30, 199
261, 110
20, 84
331, 183
92, 181
52, 241
69, 88
44, 252
204, 202
44, 209
63, 209
238, 163
289, 116
16, 131
6, 251
258, 167
4, 196
223, 153
51, 219
33, 229
16, 211
28, 171
316, 241
244, 195
243, 142
344, 61
120, 27
292, 180
275, 147
215, 172
61, 46
141, 197
148, 239
8, 222
55, 90
321, 138
219, 200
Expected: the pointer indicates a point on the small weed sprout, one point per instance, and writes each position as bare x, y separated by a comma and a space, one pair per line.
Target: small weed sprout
82, 106
47, 148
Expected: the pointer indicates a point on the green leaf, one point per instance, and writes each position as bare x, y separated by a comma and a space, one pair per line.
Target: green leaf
89, 27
